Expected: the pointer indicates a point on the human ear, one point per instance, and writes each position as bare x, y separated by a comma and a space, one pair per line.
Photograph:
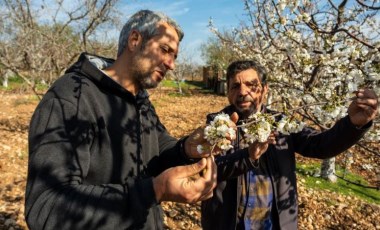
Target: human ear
264, 92
134, 40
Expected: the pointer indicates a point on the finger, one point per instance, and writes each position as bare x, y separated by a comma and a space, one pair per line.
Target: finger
206, 196
272, 141
197, 135
369, 110
234, 117
209, 171
228, 136
369, 93
210, 177
203, 186
193, 169
216, 151
214, 170
367, 101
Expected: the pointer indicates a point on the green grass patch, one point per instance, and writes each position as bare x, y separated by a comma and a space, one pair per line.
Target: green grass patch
14, 83
18, 83
306, 171
187, 87
183, 84
169, 83
15, 79
41, 87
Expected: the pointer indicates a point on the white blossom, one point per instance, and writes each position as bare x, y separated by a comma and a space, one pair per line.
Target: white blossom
287, 126
217, 132
200, 149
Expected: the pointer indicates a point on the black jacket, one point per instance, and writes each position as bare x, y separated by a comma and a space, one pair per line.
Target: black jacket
220, 212
93, 150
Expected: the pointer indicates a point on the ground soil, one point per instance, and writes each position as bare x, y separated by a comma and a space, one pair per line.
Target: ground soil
317, 209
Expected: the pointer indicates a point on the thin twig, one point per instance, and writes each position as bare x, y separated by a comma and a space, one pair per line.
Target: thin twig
295, 109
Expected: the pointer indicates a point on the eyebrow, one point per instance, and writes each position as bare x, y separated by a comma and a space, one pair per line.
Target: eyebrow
254, 81
171, 49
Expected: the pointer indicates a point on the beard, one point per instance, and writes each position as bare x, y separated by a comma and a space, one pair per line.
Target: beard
142, 73
145, 80
246, 112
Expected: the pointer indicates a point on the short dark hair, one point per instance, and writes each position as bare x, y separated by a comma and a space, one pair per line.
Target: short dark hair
239, 66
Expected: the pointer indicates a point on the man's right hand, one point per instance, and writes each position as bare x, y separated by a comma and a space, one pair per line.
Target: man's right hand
182, 183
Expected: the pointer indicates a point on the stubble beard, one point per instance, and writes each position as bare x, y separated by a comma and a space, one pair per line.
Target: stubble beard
142, 75
247, 112
255, 107
146, 81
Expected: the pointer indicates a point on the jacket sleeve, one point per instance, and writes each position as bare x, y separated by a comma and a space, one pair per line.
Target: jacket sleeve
340, 137
171, 154
234, 164
59, 159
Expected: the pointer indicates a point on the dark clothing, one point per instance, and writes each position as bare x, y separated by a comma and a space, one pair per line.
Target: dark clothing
220, 212
93, 150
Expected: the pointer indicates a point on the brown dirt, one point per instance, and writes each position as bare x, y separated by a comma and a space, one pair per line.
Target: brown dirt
318, 209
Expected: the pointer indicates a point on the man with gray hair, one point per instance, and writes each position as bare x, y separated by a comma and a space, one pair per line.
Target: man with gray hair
99, 157
257, 185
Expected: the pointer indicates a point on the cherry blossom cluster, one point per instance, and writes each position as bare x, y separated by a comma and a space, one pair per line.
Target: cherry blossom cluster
257, 127
218, 132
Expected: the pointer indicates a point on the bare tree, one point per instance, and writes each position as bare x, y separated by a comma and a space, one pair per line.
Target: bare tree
39, 42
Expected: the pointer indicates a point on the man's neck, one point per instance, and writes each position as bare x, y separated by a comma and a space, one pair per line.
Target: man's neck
120, 75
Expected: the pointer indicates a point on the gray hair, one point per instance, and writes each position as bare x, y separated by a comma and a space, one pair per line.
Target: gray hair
145, 22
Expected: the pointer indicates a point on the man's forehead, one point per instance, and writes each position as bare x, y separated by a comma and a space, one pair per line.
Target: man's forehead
164, 29
246, 75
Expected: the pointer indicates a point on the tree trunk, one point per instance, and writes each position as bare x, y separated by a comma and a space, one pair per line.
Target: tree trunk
328, 169
179, 86
5, 81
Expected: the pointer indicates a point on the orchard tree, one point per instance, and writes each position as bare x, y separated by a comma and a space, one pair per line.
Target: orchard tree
39, 40
217, 50
185, 68
317, 53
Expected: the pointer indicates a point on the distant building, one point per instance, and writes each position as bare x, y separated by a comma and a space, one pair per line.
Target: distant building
214, 79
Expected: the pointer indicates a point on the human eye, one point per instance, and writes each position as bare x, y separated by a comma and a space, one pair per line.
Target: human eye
164, 49
253, 85
235, 86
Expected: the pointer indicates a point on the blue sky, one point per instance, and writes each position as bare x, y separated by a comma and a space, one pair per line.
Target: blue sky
193, 16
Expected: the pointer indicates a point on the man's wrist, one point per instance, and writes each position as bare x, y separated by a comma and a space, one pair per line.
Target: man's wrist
360, 127
157, 189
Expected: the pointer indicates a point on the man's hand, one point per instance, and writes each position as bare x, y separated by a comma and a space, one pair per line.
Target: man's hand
179, 184
258, 148
197, 139
364, 108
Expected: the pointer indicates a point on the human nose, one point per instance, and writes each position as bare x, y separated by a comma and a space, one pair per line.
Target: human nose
244, 90
169, 62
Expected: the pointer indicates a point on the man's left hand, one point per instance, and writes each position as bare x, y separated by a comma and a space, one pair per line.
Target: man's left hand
196, 139
364, 108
